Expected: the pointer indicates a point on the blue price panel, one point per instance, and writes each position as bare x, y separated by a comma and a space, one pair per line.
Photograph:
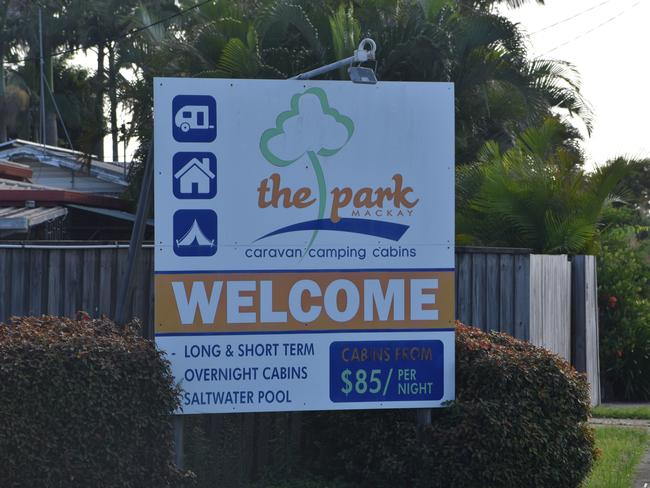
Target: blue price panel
386, 371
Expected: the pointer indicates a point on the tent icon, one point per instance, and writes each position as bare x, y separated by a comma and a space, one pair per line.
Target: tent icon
194, 237
195, 233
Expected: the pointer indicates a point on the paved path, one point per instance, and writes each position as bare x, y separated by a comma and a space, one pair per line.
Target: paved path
642, 478
624, 405
621, 422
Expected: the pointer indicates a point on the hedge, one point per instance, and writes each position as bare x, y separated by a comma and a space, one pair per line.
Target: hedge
84, 404
624, 313
520, 419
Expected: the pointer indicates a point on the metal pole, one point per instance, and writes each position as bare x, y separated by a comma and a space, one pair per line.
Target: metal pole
325, 69
123, 130
360, 55
423, 416
135, 245
42, 71
178, 442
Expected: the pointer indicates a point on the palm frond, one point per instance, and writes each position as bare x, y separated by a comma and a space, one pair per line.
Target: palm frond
345, 31
535, 194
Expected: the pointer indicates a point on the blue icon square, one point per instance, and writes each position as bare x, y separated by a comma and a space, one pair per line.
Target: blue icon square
195, 233
194, 118
195, 175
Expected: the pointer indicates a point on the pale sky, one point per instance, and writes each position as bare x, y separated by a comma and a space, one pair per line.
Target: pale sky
612, 61
606, 41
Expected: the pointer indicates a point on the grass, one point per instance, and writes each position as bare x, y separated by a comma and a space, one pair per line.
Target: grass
621, 449
622, 412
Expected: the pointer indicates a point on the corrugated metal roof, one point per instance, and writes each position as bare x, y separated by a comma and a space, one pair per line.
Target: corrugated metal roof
15, 193
23, 151
14, 171
6, 184
22, 218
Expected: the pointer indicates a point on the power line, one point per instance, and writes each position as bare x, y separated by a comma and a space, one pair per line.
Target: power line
602, 24
123, 36
559, 22
158, 22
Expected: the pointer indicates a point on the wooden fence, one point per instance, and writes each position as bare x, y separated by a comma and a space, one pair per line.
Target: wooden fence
584, 322
492, 289
550, 301
545, 299
61, 280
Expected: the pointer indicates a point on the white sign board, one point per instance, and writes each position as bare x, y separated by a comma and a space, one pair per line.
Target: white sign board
305, 243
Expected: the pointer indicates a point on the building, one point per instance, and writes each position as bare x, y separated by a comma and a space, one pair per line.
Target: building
62, 168
53, 193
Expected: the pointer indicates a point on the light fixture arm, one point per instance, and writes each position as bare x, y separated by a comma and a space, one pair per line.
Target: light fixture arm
365, 52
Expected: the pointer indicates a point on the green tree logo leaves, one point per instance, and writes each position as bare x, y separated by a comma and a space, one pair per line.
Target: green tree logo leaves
312, 128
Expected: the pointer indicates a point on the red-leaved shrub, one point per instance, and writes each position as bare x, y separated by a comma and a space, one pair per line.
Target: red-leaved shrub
84, 404
519, 419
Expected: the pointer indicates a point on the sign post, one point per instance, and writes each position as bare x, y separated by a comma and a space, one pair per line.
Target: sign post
304, 251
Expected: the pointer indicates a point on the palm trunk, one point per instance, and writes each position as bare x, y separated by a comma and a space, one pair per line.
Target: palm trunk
3, 104
3, 101
99, 107
51, 128
112, 95
51, 131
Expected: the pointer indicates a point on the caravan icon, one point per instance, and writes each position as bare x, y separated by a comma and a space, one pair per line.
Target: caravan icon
194, 118
195, 233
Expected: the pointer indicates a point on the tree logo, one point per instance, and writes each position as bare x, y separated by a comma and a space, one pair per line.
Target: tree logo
312, 128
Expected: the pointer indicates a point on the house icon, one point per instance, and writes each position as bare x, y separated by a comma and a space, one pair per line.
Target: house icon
194, 176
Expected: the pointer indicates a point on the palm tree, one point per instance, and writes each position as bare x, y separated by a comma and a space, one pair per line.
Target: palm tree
535, 194
499, 91
58, 32
637, 183
103, 27
9, 30
4, 14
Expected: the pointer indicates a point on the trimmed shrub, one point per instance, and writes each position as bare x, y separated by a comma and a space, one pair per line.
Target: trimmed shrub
520, 419
84, 404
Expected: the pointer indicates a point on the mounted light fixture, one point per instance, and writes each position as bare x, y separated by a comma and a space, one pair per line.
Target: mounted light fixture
358, 74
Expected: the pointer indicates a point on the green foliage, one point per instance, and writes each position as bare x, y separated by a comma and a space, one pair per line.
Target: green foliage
624, 311
499, 91
621, 411
535, 195
76, 98
84, 404
520, 419
638, 185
